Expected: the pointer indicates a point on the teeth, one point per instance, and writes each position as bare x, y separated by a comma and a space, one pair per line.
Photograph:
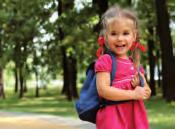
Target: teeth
120, 45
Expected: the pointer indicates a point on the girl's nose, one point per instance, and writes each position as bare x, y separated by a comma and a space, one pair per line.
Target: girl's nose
120, 37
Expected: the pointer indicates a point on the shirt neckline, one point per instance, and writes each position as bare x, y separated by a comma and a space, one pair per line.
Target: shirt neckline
125, 60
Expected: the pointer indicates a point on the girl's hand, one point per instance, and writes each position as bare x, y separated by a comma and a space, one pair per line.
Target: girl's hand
147, 92
146, 87
141, 92
135, 81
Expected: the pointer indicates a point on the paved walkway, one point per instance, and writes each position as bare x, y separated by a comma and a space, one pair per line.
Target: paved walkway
11, 120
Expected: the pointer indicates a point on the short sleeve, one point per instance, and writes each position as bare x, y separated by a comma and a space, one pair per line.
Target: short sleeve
103, 64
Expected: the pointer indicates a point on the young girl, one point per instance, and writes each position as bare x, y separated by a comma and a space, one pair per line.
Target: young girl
120, 32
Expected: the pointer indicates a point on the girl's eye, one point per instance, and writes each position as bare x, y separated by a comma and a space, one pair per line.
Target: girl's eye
113, 33
126, 33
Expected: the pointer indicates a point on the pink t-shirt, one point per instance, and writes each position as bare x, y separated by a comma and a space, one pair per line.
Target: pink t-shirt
125, 69
129, 115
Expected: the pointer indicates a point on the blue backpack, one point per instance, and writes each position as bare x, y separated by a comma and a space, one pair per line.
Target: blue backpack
89, 102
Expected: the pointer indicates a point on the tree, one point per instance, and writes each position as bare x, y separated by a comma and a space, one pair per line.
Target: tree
2, 93
100, 6
69, 61
22, 27
168, 62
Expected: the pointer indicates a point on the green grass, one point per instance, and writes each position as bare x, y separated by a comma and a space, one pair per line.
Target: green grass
50, 102
161, 114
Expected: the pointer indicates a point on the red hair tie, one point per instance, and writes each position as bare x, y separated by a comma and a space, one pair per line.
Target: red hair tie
101, 42
139, 46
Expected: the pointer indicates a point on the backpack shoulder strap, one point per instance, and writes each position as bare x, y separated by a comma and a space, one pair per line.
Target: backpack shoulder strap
114, 66
140, 77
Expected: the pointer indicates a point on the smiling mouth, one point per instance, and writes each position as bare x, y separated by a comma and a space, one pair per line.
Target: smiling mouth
120, 46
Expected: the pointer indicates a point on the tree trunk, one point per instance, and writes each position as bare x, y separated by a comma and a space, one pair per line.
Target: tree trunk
25, 84
21, 93
69, 76
16, 79
151, 62
37, 87
72, 68
63, 51
102, 6
74, 78
65, 71
2, 93
159, 69
69, 84
129, 2
168, 72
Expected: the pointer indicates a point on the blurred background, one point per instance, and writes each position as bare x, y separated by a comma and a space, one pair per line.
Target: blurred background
46, 45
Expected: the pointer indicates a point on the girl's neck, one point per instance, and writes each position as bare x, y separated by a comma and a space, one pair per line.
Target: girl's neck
122, 56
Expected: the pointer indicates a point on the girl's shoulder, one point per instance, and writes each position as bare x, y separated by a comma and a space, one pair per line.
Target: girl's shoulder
104, 57
103, 63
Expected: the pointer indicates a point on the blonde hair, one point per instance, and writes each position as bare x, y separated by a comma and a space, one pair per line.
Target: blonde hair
115, 12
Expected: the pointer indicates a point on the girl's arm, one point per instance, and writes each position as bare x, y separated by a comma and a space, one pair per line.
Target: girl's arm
111, 93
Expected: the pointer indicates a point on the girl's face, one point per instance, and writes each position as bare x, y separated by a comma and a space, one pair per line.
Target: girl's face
120, 35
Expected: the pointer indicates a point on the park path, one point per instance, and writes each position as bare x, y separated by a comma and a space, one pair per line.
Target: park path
13, 120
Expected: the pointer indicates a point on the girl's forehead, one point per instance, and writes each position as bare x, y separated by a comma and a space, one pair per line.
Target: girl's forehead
121, 23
